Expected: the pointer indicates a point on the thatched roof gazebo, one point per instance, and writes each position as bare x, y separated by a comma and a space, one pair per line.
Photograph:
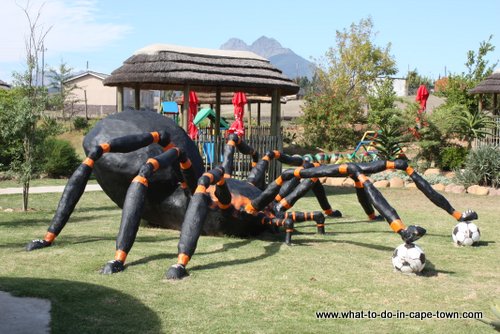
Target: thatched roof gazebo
490, 85
169, 67
4, 85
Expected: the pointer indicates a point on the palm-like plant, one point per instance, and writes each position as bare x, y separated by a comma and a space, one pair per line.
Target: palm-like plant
388, 142
473, 125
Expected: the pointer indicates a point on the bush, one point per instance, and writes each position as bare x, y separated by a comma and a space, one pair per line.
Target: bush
452, 157
60, 158
482, 167
80, 123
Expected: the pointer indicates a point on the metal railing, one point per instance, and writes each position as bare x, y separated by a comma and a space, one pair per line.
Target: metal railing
212, 148
493, 139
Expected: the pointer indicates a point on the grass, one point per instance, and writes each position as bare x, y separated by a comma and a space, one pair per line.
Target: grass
253, 285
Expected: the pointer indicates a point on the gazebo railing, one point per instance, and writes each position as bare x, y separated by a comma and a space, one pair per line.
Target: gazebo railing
212, 148
494, 138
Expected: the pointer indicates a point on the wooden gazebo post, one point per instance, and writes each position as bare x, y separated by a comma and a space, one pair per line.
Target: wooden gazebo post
119, 98
185, 108
217, 125
137, 99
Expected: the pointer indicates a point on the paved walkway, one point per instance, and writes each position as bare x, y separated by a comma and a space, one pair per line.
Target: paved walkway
46, 189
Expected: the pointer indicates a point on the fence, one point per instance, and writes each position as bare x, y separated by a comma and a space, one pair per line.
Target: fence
211, 149
494, 138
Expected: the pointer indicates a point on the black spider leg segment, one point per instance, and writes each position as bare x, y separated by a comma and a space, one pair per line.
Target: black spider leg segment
134, 205
424, 186
409, 234
258, 172
195, 216
316, 216
77, 182
233, 142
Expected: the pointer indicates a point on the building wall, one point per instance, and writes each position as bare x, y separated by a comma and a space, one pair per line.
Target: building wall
97, 93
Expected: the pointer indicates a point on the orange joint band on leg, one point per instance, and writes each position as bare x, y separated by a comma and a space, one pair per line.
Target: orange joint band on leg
231, 143
289, 230
105, 147
250, 209
343, 169
227, 176
457, 215
278, 198
184, 185
49, 237
397, 225
277, 154
279, 181
294, 216
156, 136
223, 206
328, 211
254, 164
372, 215
358, 185
314, 179
142, 180
316, 164
221, 182
320, 225
266, 158
390, 165
210, 176
186, 165
362, 178
154, 163
200, 189
285, 203
168, 147
89, 162
120, 256
410, 170
183, 259
296, 172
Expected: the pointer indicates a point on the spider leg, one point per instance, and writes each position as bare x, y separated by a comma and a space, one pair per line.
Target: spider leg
77, 182
195, 216
134, 203
424, 186
409, 234
233, 142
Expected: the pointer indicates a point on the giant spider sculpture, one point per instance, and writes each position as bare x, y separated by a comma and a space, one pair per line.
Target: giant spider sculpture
156, 173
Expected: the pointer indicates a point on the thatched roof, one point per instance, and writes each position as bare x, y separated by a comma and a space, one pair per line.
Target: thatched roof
227, 98
489, 85
167, 67
4, 85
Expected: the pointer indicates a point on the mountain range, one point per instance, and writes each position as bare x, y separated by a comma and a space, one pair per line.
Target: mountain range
290, 63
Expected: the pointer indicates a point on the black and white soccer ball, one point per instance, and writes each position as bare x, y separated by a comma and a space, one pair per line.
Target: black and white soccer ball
465, 234
408, 258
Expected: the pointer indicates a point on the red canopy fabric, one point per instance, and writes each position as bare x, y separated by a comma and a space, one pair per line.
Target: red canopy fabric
193, 110
239, 101
422, 96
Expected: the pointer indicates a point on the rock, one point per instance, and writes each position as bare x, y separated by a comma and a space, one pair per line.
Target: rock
478, 190
335, 181
348, 182
494, 192
449, 188
8, 210
449, 175
411, 185
439, 187
432, 171
381, 184
396, 182
457, 189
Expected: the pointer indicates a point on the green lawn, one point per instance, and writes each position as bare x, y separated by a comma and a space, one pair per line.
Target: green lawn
254, 285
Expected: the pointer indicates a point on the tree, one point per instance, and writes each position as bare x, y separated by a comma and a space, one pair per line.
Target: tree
414, 80
58, 80
341, 86
22, 128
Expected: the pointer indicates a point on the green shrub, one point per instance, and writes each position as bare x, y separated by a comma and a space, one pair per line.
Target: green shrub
452, 157
60, 158
80, 123
482, 167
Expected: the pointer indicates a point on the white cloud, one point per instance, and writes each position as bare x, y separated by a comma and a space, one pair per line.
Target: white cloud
76, 26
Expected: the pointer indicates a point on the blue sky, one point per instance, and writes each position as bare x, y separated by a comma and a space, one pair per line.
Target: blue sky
428, 34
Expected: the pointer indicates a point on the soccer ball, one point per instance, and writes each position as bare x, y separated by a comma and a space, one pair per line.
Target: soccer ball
408, 258
465, 234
